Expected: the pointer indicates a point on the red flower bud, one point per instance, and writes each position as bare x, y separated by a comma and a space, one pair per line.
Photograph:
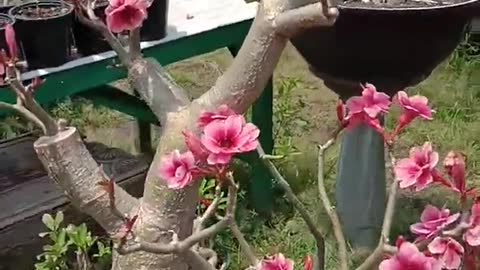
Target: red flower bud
308, 263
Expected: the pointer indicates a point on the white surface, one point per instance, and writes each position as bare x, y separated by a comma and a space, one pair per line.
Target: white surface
185, 18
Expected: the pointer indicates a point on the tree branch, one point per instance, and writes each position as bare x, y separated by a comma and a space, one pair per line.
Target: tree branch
22, 111
25, 99
293, 21
332, 214
134, 44
245, 247
196, 261
157, 88
210, 209
298, 205
253, 66
71, 166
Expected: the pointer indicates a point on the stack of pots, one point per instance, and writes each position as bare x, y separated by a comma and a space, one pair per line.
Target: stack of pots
48, 29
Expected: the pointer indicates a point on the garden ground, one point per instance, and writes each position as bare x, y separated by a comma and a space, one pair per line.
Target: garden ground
309, 107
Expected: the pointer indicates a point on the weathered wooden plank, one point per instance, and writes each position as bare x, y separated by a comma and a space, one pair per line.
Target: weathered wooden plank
26, 193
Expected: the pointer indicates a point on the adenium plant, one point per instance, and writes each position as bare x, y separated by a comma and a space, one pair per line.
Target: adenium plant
201, 137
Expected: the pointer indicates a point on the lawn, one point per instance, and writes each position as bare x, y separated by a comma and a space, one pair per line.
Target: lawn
308, 107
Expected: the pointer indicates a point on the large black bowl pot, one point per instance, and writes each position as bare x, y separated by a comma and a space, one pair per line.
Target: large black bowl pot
155, 26
90, 41
46, 40
5, 19
392, 48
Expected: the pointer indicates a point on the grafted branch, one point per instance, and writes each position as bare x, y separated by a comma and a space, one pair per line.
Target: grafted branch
71, 166
157, 88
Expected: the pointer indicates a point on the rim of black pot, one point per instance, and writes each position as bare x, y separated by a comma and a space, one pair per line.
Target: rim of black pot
70, 7
9, 17
343, 6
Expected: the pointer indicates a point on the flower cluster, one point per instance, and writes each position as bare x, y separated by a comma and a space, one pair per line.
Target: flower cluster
224, 134
366, 109
449, 238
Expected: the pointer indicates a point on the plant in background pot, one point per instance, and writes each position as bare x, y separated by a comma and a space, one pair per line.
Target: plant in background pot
6, 5
90, 42
155, 26
44, 28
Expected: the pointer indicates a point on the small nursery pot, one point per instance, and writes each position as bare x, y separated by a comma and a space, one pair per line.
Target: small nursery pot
44, 28
4, 21
87, 40
155, 26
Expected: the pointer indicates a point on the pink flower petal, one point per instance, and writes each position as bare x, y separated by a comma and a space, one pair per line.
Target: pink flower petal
355, 105
437, 246
11, 41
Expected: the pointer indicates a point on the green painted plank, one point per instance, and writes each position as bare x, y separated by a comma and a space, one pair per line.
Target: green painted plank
69, 82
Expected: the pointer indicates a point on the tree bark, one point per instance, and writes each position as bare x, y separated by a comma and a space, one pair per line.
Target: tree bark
165, 213
72, 167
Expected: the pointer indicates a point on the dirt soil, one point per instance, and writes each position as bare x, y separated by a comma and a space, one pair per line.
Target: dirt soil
41, 12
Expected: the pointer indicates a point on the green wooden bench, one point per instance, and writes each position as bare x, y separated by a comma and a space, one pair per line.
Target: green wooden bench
195, 27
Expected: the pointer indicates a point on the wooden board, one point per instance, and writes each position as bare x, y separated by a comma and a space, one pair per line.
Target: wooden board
26, 193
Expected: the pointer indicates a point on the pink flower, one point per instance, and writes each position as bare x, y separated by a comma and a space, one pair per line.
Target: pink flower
277, 262
222, 112
11, 41
409, 257
432, 221
223, 139
418, 169
449, 250
472, 234
125, 14
178, 169
371, 102
454, 164
413, 107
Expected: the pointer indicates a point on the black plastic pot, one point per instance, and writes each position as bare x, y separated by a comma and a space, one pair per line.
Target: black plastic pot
155, 26
45, 41
87, 40
10, 20
390, 47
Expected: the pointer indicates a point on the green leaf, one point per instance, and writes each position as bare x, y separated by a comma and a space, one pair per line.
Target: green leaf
62, 238
43, 234
58, 219
47, 219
